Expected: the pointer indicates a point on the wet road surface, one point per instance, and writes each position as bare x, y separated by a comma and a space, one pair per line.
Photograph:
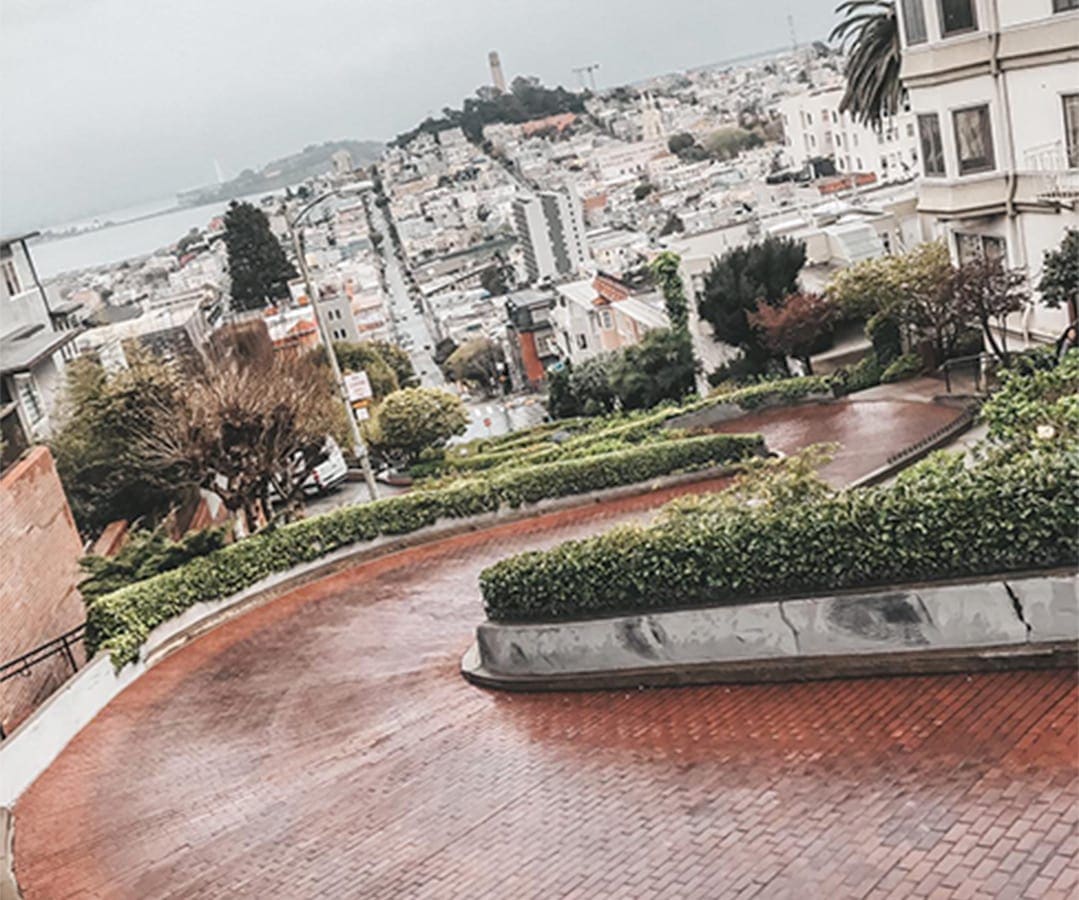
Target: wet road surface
326, 746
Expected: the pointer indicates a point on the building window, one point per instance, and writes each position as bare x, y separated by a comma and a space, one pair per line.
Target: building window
972, 247
582, 342
29, 398
914, 22
957, 16
606, 322
11, 277
1065, 5
932, 146
1071, 126
973, 139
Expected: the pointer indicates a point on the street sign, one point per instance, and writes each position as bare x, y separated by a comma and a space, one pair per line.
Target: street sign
358, 386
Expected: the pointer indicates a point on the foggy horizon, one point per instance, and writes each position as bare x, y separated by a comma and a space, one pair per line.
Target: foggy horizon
103, 108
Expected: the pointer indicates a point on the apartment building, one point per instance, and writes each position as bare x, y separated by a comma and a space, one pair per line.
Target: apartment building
550, 228
994, 87
600, 314
35, 342
814, 128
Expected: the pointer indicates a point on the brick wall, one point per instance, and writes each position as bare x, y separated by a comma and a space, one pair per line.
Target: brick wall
39, 552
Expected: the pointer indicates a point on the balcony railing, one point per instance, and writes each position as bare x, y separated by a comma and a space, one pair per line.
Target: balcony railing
1056, 175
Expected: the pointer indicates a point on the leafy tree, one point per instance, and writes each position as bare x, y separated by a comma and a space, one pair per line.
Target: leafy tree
672, 225
678, 143
1059, 283
412, 420
584, 389
869, 34
665, 271
741, 278
661, 367
860, 290
96, 446
239, 429
796, 327
479, 361
986, 291
258, 267
927, 306
727, 143
642, 190
495, 280
387, 366
363, 357
444, 350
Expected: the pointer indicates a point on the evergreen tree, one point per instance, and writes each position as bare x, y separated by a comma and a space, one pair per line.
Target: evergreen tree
258, 267
741, 278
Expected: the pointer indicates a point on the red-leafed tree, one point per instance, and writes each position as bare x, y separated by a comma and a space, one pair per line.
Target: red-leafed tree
795, 327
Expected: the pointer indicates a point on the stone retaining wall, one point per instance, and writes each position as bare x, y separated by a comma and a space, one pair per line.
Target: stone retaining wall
950, 626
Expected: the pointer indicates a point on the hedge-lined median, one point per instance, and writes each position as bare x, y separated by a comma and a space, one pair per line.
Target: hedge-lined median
120, 622
939, 520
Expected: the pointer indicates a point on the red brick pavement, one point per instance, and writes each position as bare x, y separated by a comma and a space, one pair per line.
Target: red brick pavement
326, 746
867, 431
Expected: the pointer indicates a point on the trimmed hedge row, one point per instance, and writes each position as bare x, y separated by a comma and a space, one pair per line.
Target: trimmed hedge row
939, 520
119, 622
634, 427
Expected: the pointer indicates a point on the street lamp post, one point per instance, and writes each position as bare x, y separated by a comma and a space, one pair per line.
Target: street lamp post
358, 445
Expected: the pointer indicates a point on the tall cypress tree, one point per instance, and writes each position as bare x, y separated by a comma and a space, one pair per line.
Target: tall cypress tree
259, 269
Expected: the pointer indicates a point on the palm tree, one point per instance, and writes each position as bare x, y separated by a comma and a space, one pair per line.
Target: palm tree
869, 32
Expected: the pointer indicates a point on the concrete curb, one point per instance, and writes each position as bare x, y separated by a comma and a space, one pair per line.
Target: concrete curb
1020, 620
31, 748
9, 887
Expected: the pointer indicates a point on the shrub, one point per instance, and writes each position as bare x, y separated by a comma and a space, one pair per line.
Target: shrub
939, 520
906, 366
144, 554
865, 373
119, 622
882, 329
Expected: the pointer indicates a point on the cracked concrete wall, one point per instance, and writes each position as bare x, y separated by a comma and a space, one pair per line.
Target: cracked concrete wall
956, 616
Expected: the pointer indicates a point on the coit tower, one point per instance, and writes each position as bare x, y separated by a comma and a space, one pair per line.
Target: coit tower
497, 78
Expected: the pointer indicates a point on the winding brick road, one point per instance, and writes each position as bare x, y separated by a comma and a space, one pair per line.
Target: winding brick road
326, 746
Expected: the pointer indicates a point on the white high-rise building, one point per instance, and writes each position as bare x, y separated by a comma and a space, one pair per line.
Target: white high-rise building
994, 85
550, 227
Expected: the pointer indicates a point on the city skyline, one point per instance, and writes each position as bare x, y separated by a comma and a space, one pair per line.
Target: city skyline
108, 95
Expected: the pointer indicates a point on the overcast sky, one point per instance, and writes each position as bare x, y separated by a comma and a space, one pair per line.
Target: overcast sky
107, 103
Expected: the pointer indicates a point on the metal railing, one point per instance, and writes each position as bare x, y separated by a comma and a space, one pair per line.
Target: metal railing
59, 646
982, 367
1056, 170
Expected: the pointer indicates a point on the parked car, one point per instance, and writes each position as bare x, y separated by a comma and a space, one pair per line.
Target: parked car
329, 473
324, 477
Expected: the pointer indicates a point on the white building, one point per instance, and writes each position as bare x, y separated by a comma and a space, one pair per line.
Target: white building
550, 227
994, 85
35, 341
814, 127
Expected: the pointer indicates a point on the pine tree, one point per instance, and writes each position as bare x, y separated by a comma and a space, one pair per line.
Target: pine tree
258, 267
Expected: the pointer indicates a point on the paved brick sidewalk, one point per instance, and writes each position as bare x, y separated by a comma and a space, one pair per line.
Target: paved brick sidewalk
325, 746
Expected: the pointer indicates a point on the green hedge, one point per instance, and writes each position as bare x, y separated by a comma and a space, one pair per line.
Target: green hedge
939, 520
119, 622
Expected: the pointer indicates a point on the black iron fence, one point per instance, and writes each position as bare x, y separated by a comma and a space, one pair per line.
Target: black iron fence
64, 646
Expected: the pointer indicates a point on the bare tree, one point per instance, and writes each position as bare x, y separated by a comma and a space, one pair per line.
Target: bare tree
240, 428
987, 292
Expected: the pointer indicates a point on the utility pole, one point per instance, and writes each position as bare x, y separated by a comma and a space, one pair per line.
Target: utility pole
359, 447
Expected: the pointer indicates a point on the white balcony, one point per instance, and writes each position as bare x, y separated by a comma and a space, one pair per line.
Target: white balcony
1054, 179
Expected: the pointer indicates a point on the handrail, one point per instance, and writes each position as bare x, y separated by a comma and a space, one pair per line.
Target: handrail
58, 646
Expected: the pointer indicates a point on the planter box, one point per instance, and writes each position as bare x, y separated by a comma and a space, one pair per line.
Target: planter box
972, 624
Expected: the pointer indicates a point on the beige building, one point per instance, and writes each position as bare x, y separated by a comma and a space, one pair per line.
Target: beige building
994, 87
